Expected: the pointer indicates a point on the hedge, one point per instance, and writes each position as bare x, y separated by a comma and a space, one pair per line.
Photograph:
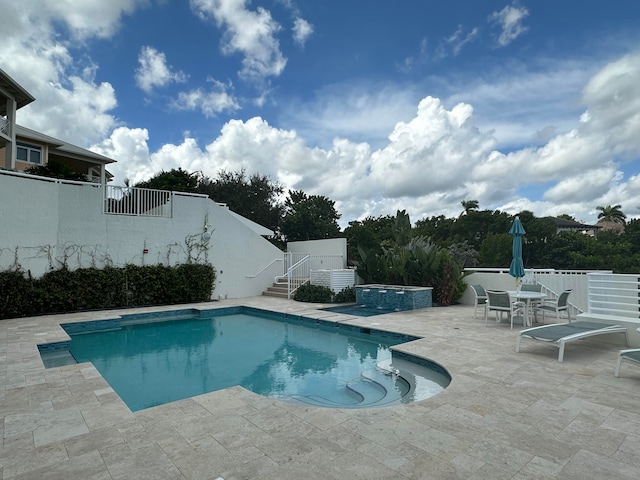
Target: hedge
64, 290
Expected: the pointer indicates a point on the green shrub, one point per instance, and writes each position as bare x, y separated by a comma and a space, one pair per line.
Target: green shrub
346, 295
313, 293
65, 290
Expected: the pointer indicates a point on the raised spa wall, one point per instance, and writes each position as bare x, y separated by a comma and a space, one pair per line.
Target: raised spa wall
394, 297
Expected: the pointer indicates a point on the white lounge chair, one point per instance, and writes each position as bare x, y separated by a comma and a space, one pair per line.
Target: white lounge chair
560, 334
631, 355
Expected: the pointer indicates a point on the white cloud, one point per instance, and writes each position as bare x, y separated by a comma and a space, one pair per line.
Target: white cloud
88, 18
251, 33
36, 55
456, 41
210, 103
153, 70
509, 19
302, 30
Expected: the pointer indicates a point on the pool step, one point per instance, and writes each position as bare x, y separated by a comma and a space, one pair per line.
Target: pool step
276, 290
374, 388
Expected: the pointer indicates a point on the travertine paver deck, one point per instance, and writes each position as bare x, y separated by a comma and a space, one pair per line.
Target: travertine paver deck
504, 416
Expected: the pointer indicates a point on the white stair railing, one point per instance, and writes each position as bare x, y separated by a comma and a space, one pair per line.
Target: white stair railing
296, 275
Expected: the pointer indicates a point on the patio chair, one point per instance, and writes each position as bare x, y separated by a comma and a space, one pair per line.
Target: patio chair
480, 298
531, 287
561, 304
500, 302
560, 334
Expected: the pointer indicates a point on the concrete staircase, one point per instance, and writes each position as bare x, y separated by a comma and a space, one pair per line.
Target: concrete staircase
276, 290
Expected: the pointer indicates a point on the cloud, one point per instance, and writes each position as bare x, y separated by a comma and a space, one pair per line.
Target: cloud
85, 19
38, 56
438, 157
251, 33
509, 19
456, 41
153, 70
302, 30
210, 103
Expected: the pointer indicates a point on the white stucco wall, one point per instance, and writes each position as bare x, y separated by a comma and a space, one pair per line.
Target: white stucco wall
45, 224
331, 246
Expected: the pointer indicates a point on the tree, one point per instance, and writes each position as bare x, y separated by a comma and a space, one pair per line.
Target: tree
255, 198
469, 206
312, 217
367, 234
612, 214
176, 180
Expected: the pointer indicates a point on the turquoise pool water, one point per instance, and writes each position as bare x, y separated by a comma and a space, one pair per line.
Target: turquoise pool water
152, 360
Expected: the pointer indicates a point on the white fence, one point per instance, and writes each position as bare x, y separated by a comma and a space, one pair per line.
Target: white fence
614, 294
553, 281
138, 201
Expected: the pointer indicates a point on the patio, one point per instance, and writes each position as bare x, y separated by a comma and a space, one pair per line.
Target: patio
504, 416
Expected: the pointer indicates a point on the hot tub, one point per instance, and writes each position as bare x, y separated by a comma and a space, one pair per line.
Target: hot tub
394, 297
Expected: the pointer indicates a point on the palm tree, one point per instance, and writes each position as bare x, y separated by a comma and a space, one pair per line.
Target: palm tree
469, 206
612, 214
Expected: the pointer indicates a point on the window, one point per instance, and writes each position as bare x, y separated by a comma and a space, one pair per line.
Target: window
29, 153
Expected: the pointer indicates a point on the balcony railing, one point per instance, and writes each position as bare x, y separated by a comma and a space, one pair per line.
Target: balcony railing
138, 201
5, 127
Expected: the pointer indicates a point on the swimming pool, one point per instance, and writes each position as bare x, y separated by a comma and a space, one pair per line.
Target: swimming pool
154, 359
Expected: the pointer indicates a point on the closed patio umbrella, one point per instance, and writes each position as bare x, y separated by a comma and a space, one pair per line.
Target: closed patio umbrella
516, 269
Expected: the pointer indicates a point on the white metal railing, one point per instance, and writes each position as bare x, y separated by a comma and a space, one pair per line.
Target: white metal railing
277, 260
298, 267
615, 294
553, 281
296, 275
5, 127
138, 201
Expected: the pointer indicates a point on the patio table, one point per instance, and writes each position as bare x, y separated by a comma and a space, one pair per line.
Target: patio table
527, 297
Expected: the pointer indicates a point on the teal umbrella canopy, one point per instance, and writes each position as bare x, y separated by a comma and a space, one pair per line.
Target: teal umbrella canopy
517, 265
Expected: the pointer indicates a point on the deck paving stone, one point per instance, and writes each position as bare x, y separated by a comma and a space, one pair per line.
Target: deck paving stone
95, 440
86, 467
100, 416
147, 462
505, 415
436, 442
499, 454
628, 451
591, 437
586, 464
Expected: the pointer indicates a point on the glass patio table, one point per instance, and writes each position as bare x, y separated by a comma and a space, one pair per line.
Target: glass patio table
527, 297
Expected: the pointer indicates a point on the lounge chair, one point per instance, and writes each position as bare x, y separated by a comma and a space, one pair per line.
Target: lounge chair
560, 334
500, 302
481, 298
561, 304
630, 355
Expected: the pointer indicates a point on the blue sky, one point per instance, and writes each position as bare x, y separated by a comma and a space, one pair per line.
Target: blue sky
377, 105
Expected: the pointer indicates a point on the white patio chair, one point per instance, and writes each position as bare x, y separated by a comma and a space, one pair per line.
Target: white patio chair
480, 298
561, 304
500, 302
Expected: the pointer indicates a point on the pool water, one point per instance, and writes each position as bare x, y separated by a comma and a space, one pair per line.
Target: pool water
149, 362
